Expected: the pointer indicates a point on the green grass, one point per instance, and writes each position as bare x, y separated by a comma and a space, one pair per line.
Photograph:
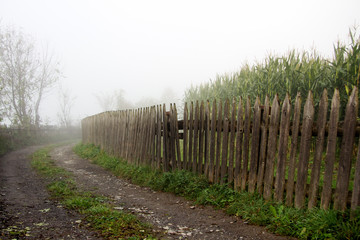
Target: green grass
97, 210
300, 223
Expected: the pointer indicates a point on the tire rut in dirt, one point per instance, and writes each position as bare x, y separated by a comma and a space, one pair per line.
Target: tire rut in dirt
26, 207
176, 217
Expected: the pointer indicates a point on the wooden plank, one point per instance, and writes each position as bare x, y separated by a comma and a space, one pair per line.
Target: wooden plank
185, 137
165, 140
126, 136
244, 170
218, 143
172, 138
191, 137
330, 151
355, 198
133, 135
304, 154
154, 135
271, 152
147, 130
342, 184
143, 136
293, 151
201, 139
158, 137
232, 142
263, 145
282, 149
239, 142
147, 159
255, 144
225, 139
196, 137
177, 140
315, 172
212, 143
207, 139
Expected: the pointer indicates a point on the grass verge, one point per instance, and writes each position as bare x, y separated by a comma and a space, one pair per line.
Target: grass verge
300, 223
97, 211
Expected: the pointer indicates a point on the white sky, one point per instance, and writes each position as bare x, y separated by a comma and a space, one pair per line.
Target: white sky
145, 46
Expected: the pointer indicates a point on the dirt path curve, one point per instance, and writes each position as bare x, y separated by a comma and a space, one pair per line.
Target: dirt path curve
25, 207
175, 216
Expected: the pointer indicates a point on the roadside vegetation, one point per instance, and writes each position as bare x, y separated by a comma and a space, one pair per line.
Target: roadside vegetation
98, 212
300, 223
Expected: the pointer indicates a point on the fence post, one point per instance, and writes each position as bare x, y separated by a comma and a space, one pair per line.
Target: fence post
212, 143
271, 152
315, 172
255, 145
196, 137
218, 143
191, 136
225, 139
306, 135
244, 170
201, 139
282, 149
293, 151
185, 137
342, 184
239, 142
263, 145
207, 139
232, 142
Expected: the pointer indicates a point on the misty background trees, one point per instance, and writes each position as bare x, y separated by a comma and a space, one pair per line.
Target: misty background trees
26, 74
117, 100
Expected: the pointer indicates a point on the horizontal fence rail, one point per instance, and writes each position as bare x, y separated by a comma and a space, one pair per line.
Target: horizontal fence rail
294, 153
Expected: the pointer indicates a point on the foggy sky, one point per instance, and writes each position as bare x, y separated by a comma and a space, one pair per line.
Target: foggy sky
144, 47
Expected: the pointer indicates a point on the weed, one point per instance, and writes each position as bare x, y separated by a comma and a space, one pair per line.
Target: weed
101, 216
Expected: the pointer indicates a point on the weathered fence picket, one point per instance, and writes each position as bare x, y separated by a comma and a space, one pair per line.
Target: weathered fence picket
293, 151
255, 141
271, 151
246, 140
212, 143
239, 142
342, 184
306, 135
282, 149
263, 144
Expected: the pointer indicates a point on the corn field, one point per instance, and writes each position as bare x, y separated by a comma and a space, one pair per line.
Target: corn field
293, 73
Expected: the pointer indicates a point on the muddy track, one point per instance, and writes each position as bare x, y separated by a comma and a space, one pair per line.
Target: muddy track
25, 203
176, 217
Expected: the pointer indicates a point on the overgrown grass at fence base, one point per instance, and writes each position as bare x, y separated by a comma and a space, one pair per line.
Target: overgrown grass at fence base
301, 223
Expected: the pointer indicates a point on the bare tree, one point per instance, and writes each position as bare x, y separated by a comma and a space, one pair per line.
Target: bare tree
25, 77
113, 101
66, 103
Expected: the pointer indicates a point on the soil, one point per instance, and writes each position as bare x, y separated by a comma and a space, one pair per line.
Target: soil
25, 204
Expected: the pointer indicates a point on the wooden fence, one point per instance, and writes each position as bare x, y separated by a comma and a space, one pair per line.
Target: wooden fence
263, 148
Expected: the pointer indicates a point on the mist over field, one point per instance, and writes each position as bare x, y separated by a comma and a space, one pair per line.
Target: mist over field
114, 55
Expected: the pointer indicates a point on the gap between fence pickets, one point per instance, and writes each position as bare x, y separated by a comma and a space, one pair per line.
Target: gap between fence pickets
243, 145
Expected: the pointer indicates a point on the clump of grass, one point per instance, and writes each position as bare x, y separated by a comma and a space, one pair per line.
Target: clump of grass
300, 223
97, 211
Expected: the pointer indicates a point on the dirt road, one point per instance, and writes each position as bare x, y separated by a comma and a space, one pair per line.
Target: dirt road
25, 203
